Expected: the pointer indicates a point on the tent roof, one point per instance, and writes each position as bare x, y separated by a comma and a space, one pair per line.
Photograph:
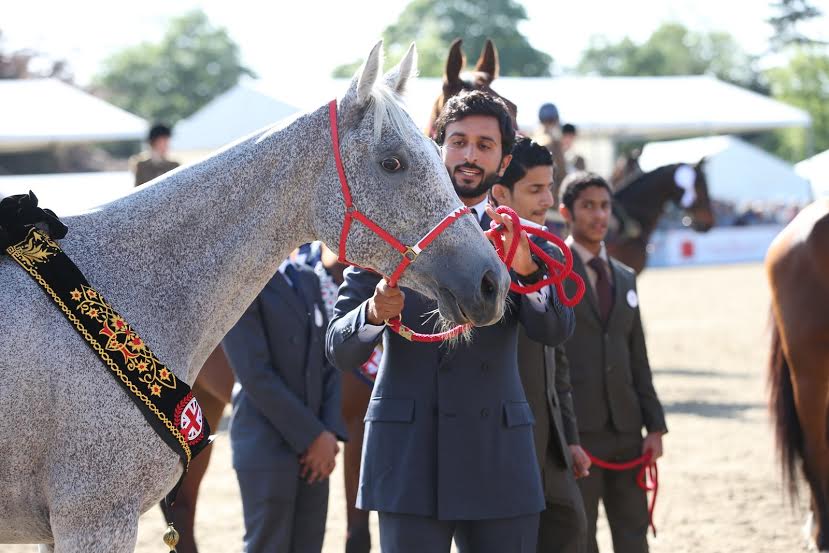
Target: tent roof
38, 112
736, 171
816, 170
616, 107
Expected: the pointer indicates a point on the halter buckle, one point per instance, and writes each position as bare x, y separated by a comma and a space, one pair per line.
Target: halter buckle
410, 254
405, 332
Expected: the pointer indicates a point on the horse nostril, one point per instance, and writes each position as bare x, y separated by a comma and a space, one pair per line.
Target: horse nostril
489, 286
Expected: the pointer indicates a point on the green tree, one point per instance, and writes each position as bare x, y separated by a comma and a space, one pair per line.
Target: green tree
434, 24
804, 83
790, 14
673, 50
167, 81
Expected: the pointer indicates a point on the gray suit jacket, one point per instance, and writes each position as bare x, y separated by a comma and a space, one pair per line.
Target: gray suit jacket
611, 376
289, 392
448, 430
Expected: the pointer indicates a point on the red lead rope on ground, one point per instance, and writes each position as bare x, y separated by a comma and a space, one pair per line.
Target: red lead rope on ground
647, 478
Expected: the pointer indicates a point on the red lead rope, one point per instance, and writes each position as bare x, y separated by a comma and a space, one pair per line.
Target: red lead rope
647, 478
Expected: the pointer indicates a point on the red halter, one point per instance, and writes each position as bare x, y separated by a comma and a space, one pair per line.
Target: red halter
558, 271
409, 253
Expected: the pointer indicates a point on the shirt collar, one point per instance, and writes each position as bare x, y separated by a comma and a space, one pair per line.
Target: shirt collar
480, 208
585, 254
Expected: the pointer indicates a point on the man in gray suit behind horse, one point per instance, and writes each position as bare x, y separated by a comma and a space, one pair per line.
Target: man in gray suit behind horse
448, 449
527, 187
612, 383
286, 415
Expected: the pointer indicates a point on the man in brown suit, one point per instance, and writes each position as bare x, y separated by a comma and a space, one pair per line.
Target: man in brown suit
526, 187
613, 389
152, 164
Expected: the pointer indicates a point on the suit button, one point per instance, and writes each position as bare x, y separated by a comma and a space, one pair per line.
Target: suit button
484, 366
609, 368
293, 340
484, 413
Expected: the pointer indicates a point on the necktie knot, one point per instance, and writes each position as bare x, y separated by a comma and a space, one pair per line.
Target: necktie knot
597, 264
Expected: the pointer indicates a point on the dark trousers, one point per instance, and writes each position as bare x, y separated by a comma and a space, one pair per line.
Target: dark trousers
416, 534
282, 512
562, 527
625, 503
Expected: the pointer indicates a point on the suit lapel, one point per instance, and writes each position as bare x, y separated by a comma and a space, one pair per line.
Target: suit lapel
289, 294
620, 288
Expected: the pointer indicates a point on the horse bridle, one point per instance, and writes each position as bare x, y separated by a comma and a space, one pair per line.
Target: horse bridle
409, 253
558, 272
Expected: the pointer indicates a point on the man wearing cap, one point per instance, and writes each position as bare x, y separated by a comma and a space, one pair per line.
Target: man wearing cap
154, 163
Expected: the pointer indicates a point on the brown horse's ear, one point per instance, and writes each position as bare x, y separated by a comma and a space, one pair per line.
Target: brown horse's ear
488, 62
454, 63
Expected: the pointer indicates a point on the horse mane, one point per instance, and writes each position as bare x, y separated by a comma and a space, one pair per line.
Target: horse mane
637, 183
388, 105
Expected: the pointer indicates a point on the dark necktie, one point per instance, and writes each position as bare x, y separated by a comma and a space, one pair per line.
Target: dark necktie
603, 289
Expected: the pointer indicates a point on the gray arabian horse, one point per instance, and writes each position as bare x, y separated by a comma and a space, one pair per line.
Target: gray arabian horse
181, 258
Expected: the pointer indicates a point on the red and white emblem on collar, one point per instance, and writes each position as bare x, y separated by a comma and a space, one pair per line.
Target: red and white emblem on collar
190, 420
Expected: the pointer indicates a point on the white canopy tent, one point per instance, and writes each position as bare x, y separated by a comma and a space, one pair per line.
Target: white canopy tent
35, 113
615, 107
736, 171
70, 193
816, 170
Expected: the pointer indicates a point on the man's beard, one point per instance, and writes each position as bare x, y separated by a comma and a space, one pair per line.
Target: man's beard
488, 180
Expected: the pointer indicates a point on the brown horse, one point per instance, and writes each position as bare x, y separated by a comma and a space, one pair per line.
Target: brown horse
797, 266
486, 71
639, 204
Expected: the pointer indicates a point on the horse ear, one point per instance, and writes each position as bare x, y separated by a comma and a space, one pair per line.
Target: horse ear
359, 92
454, 63
397, 78
701, 163
488, 62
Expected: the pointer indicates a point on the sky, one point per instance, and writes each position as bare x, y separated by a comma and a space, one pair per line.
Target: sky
280, 40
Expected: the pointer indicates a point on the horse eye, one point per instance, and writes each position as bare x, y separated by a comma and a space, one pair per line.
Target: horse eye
391, 164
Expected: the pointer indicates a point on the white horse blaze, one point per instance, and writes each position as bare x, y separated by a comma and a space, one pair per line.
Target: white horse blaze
685, 177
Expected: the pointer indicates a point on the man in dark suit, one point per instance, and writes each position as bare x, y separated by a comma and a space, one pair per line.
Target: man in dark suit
527, 188
612, 382
286, 415
448, 449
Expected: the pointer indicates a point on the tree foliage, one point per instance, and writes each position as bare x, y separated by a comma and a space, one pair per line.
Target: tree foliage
167, 81
786, 22
434, 24
804, 83
673, 49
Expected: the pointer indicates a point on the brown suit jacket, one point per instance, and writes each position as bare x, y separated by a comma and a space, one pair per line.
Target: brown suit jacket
609, 369
146, 169
545, 376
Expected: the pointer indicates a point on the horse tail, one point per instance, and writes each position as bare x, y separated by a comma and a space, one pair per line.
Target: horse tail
788, 433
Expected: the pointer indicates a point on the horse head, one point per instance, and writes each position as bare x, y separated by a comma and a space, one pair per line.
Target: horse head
397, 179
486, 71
692, 195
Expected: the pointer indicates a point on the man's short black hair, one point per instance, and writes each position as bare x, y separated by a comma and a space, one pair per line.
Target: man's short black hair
526, 154
476, 102
574, 183
568, 128
159, 130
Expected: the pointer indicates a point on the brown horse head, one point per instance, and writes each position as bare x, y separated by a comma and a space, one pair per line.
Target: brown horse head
486, 71
700, 211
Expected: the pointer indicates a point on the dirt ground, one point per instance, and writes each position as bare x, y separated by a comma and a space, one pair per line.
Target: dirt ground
720, 489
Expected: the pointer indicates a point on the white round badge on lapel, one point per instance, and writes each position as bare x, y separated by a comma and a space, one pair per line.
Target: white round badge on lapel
633, 299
